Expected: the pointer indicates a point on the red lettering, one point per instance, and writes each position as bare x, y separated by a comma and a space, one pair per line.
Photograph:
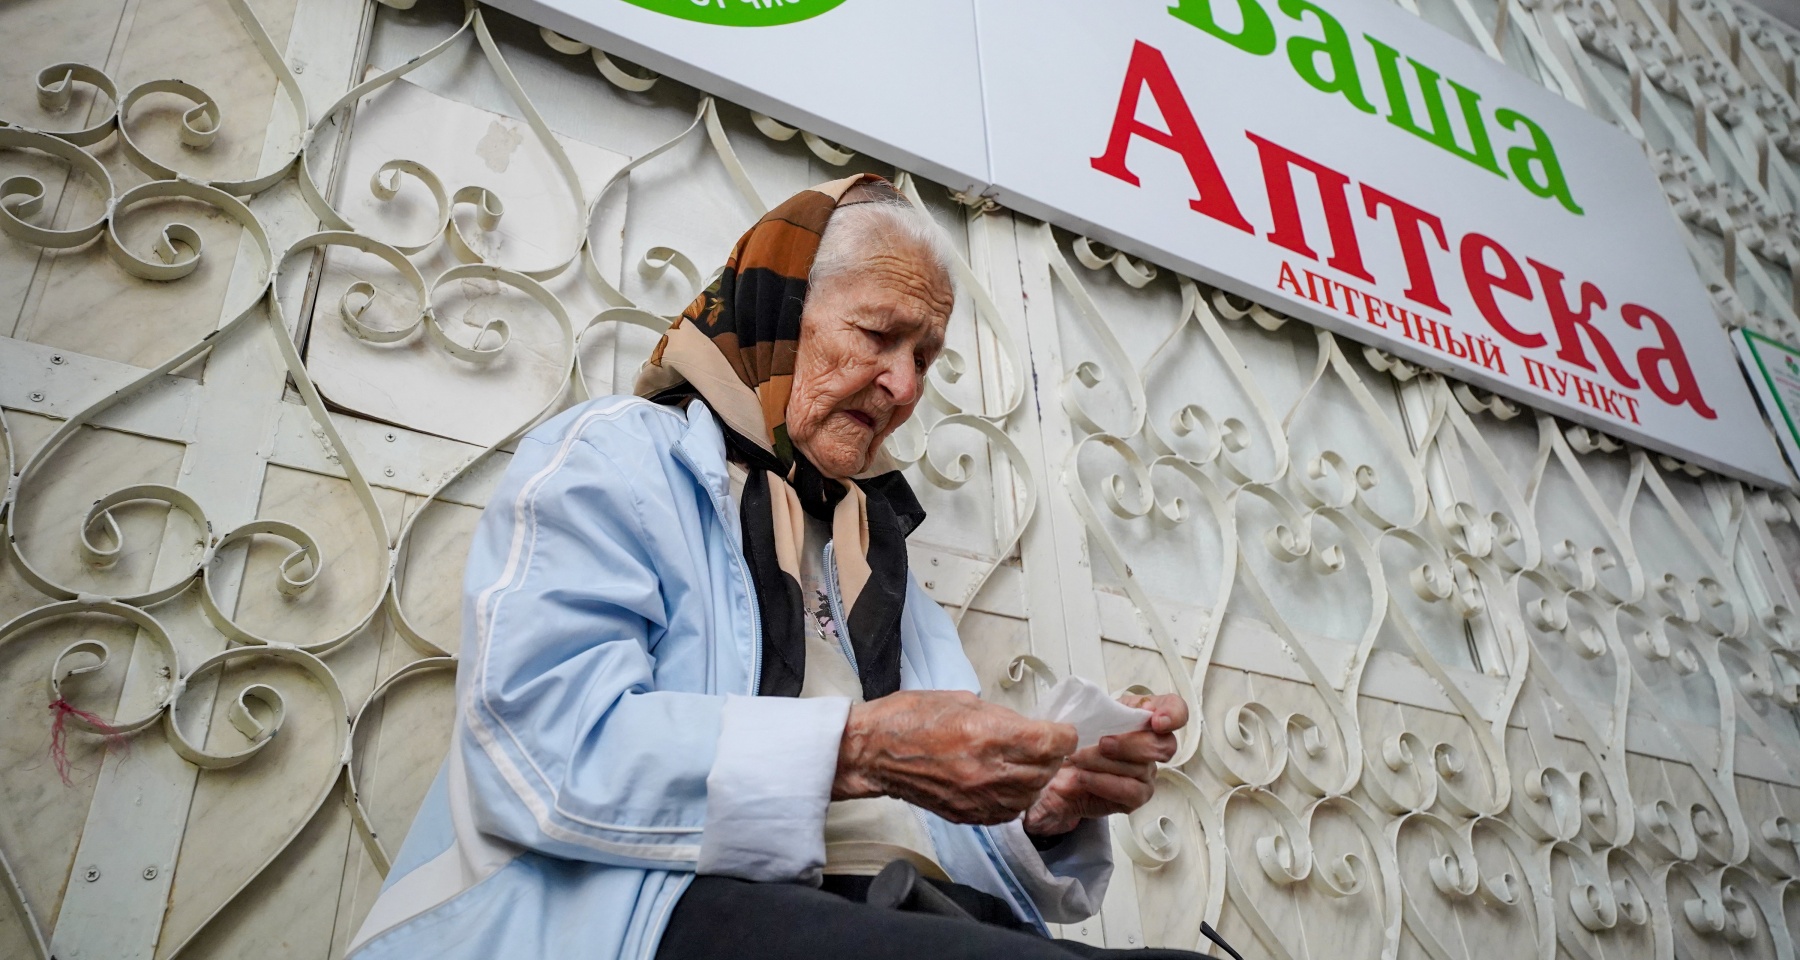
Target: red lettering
1409, 224
1490, 356
1430, 328
1585, 391
1278, 178
1630, 402
1650, 360
1148, 70
1483, 282
1407, 319
1311, 277
1533, 373
1463, 349
1571, 321
1609, 402
1287, 277
1373, 305
1396, 314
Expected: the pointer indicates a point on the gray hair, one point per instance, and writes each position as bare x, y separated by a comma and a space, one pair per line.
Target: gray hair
857, 230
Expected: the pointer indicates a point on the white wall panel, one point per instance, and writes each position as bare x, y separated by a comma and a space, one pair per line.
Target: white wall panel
1472, 682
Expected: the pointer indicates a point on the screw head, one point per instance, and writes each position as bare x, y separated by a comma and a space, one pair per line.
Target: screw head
390, 437
56, 358
1131, 938
931, 584
389, 471
91, 874
149, 873
37, 396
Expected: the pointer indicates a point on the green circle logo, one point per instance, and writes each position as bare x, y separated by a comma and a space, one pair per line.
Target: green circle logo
740, 13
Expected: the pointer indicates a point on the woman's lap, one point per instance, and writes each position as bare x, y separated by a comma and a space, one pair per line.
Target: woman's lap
723, 918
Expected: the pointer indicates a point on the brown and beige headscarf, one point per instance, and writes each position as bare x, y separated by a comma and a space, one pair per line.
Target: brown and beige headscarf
734, 348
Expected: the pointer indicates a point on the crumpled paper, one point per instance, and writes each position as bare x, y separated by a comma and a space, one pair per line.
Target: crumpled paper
1092, 711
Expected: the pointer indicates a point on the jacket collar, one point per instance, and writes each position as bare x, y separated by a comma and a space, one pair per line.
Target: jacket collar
702, 448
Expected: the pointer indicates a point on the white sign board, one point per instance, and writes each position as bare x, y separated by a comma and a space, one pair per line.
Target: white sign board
1358, 168
1352, 166
1774, 370
902, 84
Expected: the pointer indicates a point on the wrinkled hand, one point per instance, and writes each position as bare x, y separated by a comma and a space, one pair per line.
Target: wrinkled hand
948, 752
1116, 775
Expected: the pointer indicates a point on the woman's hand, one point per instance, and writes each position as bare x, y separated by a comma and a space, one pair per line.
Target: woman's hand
1116, 775
949, 752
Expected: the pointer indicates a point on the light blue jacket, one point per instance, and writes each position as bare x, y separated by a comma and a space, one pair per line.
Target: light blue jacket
607, 747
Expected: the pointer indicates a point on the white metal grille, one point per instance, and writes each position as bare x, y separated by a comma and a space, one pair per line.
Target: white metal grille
1473, 682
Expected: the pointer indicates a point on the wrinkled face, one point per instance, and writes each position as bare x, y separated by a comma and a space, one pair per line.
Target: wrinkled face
866, 339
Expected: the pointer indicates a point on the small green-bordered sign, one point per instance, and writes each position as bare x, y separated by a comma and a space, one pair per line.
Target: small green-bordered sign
740, 13
1774, 370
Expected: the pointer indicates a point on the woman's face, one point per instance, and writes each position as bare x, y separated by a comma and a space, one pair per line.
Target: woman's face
866, 339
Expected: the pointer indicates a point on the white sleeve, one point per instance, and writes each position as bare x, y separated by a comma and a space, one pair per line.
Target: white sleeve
1067, 881
769, 787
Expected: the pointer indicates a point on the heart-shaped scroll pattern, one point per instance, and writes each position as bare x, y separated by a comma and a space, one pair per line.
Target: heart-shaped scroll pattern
261, 701
1724, 911
1386, 496
1313, 883
1574, 642
257, 711
1595, 556
1494, 520
1316, 553
1606, 905
489, 207
1247, 446
959, 472
200, 124
1323, 880
1133, 495
1153, 841
1424, 774
1089, 384
1482, 883
380, 849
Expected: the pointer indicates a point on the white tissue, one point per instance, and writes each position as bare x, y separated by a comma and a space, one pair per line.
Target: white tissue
1090, 709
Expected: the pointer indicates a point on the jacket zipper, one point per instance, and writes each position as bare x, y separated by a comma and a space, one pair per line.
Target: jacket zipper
737, 559
1011, 880
756, 637
837, 606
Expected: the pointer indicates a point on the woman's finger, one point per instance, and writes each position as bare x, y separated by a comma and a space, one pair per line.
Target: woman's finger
1168, 712
1117, 794
1143, 746
1099, 762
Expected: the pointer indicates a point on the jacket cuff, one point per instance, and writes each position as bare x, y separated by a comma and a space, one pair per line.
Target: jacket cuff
1067, 881
769, 786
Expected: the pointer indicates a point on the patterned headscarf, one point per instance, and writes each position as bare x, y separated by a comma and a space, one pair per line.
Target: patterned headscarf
734, 348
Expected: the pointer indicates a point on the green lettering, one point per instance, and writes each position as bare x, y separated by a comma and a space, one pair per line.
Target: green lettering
1334, 48
1552, 183
1257, 35
1400, 111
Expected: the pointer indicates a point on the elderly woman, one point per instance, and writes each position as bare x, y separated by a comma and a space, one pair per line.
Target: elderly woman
702, 703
